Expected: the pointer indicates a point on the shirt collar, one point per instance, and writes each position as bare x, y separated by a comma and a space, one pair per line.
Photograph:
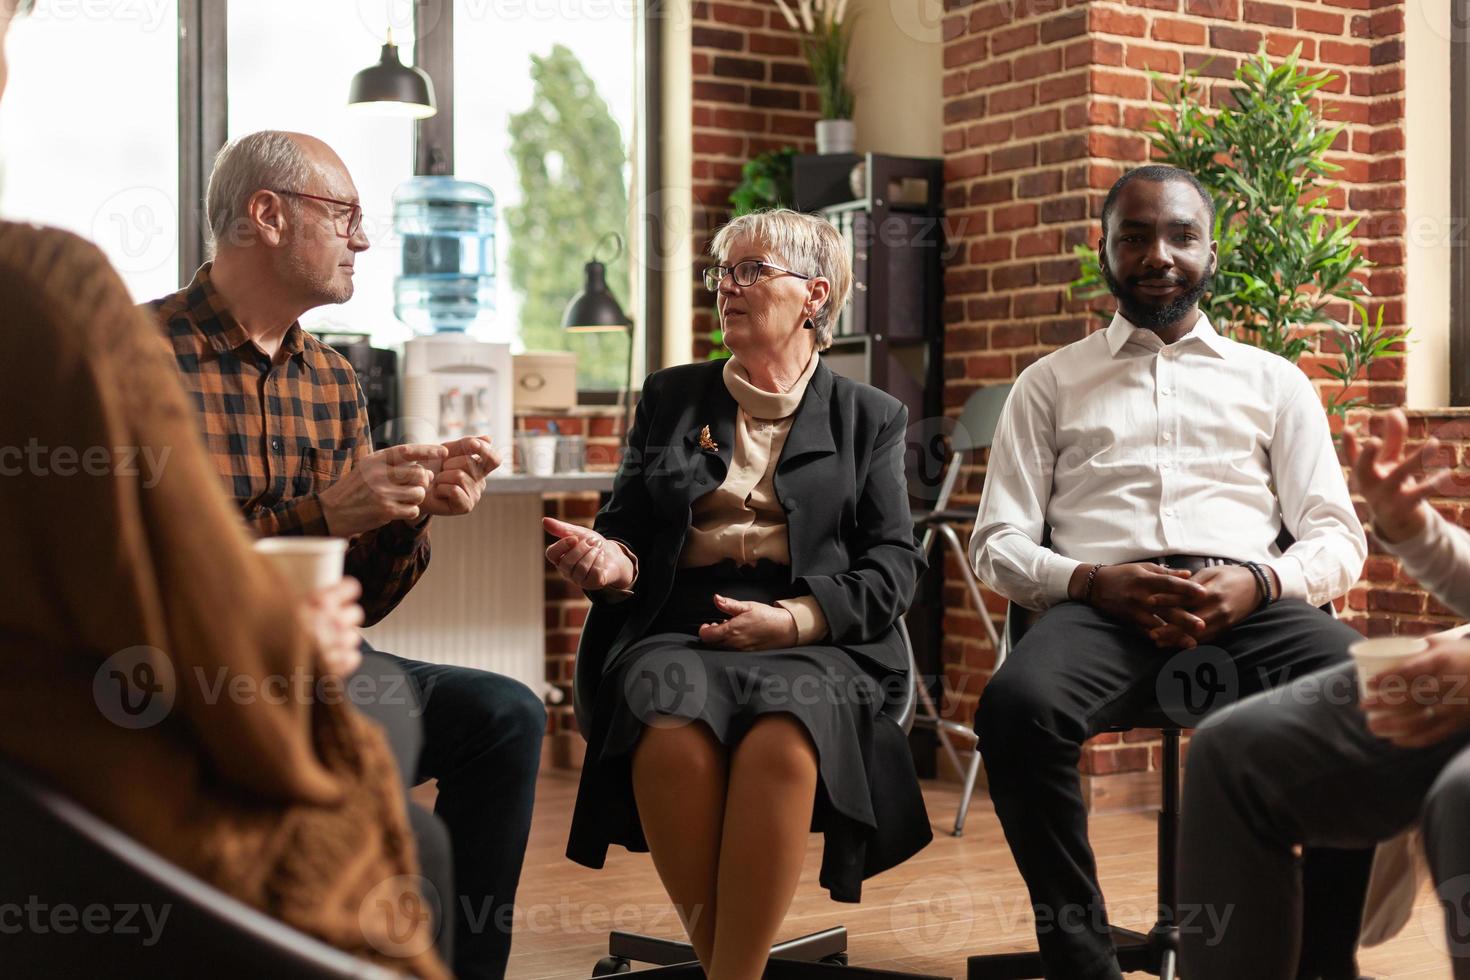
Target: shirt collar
1121, 331
208, 312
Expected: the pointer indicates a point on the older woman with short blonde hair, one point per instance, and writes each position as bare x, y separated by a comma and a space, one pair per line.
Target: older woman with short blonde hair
747, 577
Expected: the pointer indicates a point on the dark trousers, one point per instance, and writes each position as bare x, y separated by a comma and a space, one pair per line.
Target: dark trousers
1300, 767
1077, 673
481, 739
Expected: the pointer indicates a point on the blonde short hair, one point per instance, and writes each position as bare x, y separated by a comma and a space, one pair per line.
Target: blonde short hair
803, 243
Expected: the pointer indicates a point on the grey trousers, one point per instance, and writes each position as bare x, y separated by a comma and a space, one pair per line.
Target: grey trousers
1299, 766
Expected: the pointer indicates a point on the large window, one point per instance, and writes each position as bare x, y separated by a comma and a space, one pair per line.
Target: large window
290, 64
548, 99
89, 131
544, 114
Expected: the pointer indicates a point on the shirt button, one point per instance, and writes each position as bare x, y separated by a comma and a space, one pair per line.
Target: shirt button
1164, 466
1168, 437
276, 445
1166, 391
1169, 512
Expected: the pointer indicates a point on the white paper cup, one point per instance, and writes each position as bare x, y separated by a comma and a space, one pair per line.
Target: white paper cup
1383, 653
306, 563
541, 455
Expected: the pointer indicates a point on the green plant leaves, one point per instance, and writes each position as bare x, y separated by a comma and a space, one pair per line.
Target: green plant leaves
1283, 260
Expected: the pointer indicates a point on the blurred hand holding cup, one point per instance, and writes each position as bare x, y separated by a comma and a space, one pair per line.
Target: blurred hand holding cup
306, 563
1384, 653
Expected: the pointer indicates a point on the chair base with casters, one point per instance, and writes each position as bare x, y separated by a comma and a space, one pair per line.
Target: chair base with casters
811, 957
1155, 951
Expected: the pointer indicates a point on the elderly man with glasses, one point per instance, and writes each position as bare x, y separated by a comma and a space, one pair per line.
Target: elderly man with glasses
286, 424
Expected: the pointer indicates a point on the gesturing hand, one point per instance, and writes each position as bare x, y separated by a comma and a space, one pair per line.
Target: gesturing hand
384, 486
1425, 699
460, 481
1143, 594
1230, 595
587, 559
1383, 474
751, 626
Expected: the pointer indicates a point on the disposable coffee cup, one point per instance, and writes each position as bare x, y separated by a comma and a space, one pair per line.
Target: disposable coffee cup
306, 563
1383, 654
541, 455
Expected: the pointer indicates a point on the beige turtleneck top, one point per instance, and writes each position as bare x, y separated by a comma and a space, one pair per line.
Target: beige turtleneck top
741, 518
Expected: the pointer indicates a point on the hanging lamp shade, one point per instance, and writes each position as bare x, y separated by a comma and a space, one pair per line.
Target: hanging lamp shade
392, 88
594, 308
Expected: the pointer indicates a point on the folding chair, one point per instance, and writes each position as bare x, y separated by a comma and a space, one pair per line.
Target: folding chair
976, 430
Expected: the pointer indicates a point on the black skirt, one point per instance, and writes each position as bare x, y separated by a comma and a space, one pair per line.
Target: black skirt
868, 805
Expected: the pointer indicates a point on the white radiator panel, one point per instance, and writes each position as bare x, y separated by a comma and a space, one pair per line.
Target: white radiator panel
482, 602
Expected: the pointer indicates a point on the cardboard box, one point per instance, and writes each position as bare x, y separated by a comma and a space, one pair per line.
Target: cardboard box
546, 381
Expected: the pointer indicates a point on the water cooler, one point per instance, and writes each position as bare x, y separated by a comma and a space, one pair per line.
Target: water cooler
453, 384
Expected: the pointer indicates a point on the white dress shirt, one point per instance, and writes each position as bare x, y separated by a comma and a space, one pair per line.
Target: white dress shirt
1128, 448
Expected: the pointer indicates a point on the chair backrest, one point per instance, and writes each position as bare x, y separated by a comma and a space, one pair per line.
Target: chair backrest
979, 417
66, 856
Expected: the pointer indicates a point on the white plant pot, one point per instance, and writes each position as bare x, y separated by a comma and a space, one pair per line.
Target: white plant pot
835, 135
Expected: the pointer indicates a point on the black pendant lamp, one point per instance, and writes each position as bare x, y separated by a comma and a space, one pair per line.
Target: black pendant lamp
392, 88
595, 309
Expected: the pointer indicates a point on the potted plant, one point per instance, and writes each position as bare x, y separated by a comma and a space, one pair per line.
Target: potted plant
827, 40
1283, 261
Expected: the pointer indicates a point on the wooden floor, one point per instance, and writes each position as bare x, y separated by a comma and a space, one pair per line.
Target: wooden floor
955, 898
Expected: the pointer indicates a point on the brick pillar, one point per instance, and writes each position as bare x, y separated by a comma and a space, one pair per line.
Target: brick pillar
1045, 104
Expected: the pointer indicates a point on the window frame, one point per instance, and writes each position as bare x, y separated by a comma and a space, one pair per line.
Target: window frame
204, 116
1459, 204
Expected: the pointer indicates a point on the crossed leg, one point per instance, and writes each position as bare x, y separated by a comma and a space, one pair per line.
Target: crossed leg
729, 833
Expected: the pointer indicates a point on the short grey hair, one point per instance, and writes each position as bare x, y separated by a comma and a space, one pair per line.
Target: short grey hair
803, 243
267, 160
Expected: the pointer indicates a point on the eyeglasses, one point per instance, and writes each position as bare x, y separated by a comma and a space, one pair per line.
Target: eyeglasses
354, 213
746, 273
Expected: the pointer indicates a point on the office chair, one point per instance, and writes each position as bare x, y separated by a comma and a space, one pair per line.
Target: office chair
62, 855
975, 431
820, 954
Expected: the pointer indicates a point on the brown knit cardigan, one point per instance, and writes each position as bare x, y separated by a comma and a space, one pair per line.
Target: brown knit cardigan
294, 808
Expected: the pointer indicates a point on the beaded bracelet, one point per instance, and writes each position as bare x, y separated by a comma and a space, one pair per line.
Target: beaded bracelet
1091, 577
1263, 582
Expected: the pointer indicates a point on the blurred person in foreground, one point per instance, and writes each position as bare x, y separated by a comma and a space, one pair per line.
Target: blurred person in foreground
1318, 763
130, 578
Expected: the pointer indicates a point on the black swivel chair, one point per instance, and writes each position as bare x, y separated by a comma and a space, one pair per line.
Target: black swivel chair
817, 955
61, 855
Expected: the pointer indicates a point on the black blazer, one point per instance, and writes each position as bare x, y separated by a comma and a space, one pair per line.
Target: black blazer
840, 479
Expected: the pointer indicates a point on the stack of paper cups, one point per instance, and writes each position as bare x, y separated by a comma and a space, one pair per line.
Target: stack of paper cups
420, 407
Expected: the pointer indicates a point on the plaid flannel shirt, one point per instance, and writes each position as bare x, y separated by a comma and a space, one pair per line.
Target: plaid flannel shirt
281, 433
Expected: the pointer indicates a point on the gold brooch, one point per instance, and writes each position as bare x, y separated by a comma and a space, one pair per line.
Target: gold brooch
705, 442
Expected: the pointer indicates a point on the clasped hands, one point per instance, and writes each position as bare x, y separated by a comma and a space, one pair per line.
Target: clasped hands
591, 562
1175, 608
408, 483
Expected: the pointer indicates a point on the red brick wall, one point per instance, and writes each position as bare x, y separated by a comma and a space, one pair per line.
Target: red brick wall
1045, 104
752, 93
566, 608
